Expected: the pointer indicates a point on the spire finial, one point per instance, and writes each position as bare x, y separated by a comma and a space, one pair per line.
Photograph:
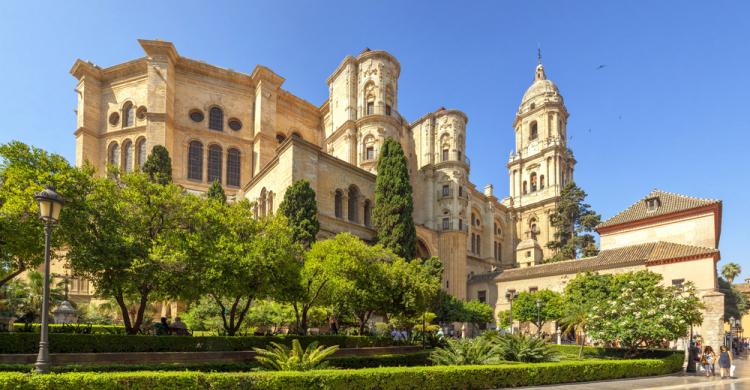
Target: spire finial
539, 54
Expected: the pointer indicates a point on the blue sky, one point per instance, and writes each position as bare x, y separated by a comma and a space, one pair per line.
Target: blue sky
669, 110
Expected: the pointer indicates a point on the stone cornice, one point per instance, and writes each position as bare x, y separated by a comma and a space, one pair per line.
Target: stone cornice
379, 118
201, 68
154, 48
262, 73
341, 130
380, 53
347, 60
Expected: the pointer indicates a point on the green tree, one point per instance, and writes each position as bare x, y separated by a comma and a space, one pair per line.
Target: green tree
392, 214
525, 307
158, 165
301, 210
730, 271
574, 222
25, 170
123, 243
216, 192
735, 303
581, 294
641, 312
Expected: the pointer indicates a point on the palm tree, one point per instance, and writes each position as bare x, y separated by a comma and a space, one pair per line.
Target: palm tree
576, 318
730, 271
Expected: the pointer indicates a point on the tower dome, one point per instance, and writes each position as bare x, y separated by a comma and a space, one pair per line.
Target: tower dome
540, 86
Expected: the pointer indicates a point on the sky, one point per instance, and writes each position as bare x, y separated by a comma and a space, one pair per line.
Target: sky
657, 92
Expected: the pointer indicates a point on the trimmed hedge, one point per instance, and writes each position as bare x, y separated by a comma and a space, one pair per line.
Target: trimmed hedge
71, 328
569, 351
436, 377
352, 362
84, 343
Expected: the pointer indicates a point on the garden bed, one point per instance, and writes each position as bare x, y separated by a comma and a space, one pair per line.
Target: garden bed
437, 377
13, 343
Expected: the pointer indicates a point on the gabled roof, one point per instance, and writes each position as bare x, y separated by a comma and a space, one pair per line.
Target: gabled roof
633, 255
669, 203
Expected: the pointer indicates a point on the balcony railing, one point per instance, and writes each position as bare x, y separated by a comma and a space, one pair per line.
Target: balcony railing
450, 226
452, 156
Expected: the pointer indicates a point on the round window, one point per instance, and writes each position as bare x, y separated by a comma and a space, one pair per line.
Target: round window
235, 124
114, 118
141, 113
196, 115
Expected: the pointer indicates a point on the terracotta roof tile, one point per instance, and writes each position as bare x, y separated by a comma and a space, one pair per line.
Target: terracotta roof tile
626, 256
669, 203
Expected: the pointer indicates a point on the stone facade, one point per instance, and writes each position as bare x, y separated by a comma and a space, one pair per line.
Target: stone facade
256, 138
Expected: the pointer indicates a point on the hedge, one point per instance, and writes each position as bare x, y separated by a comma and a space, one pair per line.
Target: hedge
393, 360
83, 343
71, 328
569, 351
436, 377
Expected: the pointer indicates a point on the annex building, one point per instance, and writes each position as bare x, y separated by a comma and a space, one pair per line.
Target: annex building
256, 138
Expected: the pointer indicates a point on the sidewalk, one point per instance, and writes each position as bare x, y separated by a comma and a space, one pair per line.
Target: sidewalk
667, 382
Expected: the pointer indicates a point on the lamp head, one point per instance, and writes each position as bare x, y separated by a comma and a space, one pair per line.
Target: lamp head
50, 204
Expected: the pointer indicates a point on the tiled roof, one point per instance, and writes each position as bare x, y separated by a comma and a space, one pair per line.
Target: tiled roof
669, 203
626, 256
484, 277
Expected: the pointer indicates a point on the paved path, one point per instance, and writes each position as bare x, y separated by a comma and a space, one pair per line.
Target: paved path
668, 382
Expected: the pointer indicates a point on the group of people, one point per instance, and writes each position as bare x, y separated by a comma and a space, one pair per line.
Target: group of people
164, 328
399, 335
709, 359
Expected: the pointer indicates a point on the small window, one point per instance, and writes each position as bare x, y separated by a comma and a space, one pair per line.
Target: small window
195, 161
114, 154
387, 110
370, 108
446, 223
235, 124
482, 296
678, 282
446, 190
142, 155
541, 182
533, 133
528, 253
652, 204
114, 119
368, 213
369, 153
458, 155
460, 191
233, 167
532, 106
533, 289
128, 114
128, 153
445, 154
338, 206
196, 115
460, 224
214, 163
216, 119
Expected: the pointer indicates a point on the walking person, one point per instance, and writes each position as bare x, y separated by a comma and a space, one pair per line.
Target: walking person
707, 360
725, 362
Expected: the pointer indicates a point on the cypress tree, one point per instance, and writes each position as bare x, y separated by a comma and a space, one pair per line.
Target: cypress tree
301, 210
158, 166
392, 214
215, 191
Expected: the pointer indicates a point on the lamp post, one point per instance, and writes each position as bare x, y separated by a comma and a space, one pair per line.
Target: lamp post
50, 204
538, 307
731, 325
510, 295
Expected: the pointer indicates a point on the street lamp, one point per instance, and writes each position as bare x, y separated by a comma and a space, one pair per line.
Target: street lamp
538, 307
510, 295
50, 204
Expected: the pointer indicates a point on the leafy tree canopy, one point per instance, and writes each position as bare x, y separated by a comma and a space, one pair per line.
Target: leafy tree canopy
735, 303
730, 271
525, 307
216, 192
574, 221
158, 165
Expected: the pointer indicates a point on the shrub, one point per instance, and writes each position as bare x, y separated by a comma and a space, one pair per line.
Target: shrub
464, 352
437, 377
568, 351
520, 348
279, 357
71, 328
77, 343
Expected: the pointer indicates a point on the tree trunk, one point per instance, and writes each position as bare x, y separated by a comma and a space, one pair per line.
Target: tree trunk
303, 321
583, 341
139, 314
125, 313
10, 276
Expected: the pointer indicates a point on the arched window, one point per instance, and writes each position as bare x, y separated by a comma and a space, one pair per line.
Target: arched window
533, 182
127, 150
114, 154
533, 132
479, 245
473, 243
128, 114
214, 163
541, 182
368, 213
353, 204
195, 161
142, 155
269, 202
445, 154
233, 167
525, 187
370, 98
262, 202
216, 119
338, 206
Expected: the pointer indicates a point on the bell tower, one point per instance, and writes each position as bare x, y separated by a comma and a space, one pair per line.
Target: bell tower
539, 167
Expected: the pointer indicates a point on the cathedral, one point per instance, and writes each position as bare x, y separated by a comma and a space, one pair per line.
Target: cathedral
256, 138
